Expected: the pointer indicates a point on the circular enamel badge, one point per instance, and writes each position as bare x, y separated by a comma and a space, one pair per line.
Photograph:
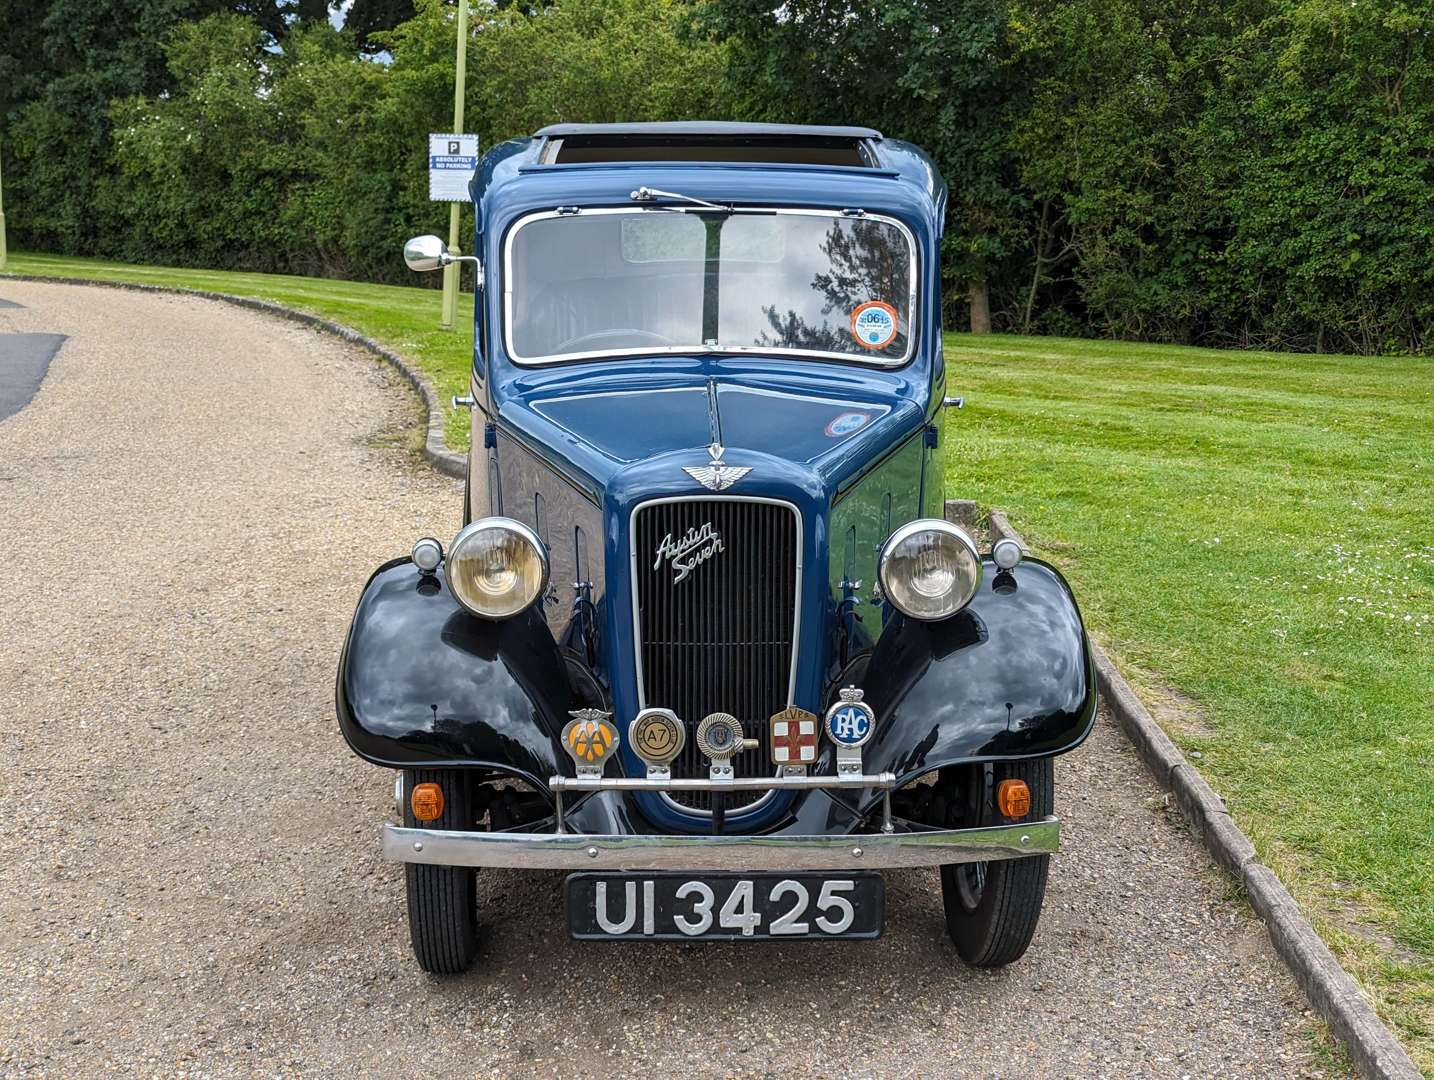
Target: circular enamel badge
657, 736
873, 324
719, 736
847, 422
850, 721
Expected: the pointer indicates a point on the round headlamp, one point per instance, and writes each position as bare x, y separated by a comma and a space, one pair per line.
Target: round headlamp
930, 569
497, 567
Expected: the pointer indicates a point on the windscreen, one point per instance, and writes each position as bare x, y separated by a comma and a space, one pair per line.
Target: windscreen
658, 280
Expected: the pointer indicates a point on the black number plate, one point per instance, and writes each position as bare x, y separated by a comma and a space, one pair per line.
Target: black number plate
687, 907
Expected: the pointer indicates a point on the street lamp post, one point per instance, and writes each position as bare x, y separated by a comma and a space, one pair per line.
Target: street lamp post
451, 271
4, 254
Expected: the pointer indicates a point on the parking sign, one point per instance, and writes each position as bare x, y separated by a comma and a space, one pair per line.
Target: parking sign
452, 160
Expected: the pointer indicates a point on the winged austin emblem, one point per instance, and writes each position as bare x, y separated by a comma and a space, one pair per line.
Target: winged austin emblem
716, 475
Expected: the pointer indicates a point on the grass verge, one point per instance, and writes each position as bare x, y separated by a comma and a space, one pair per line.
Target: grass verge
1252, 536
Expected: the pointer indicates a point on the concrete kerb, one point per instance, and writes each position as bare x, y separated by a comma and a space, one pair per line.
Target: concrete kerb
1332, 991
435, 449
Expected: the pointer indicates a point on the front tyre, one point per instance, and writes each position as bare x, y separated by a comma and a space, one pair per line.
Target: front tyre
992, 908
442, 900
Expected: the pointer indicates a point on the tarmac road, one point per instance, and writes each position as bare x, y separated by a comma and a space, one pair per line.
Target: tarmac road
24, 359
189, 872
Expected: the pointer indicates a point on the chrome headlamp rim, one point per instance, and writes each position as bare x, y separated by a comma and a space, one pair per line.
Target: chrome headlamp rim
525, 533
928, 525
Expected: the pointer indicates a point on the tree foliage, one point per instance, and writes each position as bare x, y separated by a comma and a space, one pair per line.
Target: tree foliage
1330, 195
368, 20
1244, 172
61, 64
929, 71
1253, 172
604, 61
309, 158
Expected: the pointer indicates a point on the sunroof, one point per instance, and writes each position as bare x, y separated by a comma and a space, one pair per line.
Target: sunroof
796, 148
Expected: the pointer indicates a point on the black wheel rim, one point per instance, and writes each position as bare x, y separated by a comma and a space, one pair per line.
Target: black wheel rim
971, 877
970, 885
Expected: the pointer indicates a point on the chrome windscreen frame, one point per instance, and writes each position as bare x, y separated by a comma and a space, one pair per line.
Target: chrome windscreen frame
913, 296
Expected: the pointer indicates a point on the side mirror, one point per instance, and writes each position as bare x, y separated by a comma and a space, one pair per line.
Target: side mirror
424, 253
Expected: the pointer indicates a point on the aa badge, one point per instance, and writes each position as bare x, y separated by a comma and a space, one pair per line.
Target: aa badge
590, 739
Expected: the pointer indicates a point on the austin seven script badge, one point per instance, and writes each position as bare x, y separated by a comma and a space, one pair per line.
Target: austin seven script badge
716, 475
686, 552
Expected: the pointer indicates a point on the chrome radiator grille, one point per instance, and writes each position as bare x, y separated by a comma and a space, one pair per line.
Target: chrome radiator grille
722, 638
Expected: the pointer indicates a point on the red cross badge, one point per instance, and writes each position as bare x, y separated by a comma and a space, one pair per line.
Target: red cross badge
793, 737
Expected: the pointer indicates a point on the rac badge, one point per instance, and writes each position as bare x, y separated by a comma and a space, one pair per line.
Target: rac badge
793, 737
690, 550
851, 720
715, 475
590, 739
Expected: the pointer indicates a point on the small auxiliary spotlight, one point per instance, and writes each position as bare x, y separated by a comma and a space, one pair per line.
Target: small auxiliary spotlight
1006, 553
427, 554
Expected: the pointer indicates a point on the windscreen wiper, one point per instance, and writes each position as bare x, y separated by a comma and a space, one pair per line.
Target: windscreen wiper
648, 194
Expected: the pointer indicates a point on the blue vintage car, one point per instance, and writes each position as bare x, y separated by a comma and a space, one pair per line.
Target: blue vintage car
705, 640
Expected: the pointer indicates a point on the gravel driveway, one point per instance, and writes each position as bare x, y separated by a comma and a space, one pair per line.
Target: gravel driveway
189, 870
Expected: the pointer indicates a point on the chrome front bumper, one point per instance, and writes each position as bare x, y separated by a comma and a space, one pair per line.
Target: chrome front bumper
574, 851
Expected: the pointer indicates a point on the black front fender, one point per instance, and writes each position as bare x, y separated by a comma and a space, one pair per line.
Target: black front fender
424, 683
1008, 676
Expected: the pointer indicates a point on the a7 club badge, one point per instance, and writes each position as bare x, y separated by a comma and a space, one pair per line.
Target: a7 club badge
792, 736
657, 736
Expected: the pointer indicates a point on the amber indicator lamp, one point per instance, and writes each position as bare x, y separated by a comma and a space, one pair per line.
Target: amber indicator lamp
426, 801
1013, 798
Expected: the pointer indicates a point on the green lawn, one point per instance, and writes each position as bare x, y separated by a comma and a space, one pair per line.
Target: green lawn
1252, 537
1250, 534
